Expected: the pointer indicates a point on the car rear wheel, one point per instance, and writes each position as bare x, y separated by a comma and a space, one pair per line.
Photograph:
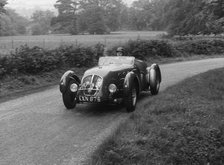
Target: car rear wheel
131, 98
154, 81
69, 97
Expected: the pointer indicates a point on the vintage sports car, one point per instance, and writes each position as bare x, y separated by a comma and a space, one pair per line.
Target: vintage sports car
116, 79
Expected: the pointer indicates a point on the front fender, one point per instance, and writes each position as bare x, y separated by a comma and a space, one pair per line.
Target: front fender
130, 78
68, 75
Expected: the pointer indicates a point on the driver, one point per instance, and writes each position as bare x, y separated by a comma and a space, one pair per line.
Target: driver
139, 63
120, 51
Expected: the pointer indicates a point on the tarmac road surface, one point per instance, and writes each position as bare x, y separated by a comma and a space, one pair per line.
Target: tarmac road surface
37, 129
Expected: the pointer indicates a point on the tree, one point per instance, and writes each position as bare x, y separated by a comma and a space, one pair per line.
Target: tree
215, 10
12, 24
67, 6
2, 4
100, 3
138, 20
184, 17
41, 22
113, 14
95, 20
83, 22
178, 12
94, 16
67, 18
19, 23
143, 13
124, 18
106, 12
2, 20
158, 19
6, 26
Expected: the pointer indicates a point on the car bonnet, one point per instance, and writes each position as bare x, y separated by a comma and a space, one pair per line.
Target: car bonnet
105, 70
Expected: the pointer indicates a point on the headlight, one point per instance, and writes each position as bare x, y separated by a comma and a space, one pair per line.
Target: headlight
74, 87
112, 88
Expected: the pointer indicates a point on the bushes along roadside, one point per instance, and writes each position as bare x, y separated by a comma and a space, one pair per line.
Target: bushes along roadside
36, 60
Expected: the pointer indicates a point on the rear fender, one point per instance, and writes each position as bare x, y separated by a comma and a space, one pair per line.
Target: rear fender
66, 77
157, 69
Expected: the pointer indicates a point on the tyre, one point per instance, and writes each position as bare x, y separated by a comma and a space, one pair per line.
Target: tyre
154, 80
131, 98
69, 98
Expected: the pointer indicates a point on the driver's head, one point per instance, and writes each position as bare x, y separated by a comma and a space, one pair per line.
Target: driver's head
120, 51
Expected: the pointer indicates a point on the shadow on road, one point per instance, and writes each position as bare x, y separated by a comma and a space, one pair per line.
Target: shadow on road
99, 109
105, 109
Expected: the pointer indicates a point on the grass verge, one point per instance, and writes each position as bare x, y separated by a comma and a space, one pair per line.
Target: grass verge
184, 125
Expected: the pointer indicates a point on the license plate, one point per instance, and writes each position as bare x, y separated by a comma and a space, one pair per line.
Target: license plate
89, 99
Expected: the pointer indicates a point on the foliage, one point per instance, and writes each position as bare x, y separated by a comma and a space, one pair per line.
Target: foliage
2, 4
141, 15
180, 17
66, 21
93, 16
35, 60
12, 24
113, 14
145, 15
6, 26
95, 20
76, 56
41, 22
19, 23
207, 47
145, 49
159, 11
193, 17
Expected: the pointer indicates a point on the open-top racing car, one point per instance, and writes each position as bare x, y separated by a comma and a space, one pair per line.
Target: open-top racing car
116, 79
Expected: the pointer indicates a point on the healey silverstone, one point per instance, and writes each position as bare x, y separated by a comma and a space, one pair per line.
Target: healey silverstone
116, 79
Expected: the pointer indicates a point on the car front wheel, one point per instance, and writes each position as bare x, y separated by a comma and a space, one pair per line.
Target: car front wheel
69, 97
131, 98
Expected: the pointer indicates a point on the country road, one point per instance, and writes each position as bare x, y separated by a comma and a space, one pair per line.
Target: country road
37, 129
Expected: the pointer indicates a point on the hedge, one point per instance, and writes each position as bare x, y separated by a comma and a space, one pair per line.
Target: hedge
36, 60
204, 46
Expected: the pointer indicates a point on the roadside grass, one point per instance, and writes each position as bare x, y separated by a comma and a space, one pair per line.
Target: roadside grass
182, 125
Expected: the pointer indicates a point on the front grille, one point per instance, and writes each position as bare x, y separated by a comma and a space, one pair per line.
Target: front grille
91, 85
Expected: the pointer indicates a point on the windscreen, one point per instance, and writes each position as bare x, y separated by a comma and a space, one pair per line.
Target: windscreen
118, 60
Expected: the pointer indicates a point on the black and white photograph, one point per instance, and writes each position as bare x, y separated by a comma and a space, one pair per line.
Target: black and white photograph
111, 82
